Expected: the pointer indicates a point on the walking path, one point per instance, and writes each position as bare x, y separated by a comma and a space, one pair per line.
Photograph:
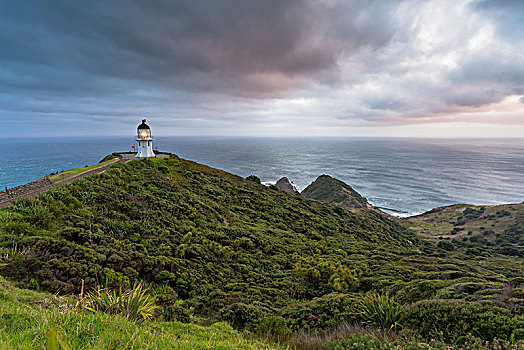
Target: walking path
71, 179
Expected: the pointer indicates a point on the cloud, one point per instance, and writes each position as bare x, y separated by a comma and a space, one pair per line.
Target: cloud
506, 16
312, 64
241, 48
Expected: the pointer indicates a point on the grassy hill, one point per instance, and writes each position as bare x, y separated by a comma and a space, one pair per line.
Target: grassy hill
497, 229
217, 247
191, 227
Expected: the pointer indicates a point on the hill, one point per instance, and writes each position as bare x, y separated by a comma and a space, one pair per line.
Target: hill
191, 227
330, 190
221, 248
497, 229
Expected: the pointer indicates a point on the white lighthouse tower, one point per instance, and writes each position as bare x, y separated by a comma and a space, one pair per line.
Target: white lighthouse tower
145, 141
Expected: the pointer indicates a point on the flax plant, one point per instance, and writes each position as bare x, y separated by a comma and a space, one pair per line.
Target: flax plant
380, 310
133, 304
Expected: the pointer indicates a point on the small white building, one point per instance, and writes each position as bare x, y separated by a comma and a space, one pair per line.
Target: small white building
145, 141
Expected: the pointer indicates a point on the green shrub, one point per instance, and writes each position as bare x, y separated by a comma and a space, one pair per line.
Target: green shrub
517, 281
177, 312
240, 315
273, 327
326, 312
419, 289
446, 245
172, 309
254, 179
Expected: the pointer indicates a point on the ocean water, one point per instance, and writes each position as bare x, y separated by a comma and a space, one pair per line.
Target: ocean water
407, 176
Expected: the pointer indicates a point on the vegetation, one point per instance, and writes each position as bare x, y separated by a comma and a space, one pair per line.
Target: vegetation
214, 247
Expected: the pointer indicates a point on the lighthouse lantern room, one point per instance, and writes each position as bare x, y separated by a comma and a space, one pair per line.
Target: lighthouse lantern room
145, 141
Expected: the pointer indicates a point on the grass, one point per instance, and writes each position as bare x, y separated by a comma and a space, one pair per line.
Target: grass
33, 320
66, 174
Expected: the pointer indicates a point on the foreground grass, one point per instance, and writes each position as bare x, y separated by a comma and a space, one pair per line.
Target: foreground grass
66, 174
27, 316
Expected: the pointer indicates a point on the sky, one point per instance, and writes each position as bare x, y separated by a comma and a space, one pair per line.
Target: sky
391, 68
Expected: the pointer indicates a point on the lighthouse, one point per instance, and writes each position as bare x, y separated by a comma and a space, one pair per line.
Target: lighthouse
145, 141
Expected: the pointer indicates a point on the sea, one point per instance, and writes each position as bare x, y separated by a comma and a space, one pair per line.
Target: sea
403, 176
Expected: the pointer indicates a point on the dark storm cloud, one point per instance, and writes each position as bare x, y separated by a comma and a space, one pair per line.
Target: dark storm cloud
241, 47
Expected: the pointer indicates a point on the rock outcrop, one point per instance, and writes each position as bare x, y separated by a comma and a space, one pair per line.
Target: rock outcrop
285, 185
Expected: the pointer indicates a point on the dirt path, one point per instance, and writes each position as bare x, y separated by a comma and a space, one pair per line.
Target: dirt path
71, 179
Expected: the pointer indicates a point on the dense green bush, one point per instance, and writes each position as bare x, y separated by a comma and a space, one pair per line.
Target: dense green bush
254, 179
446, 245
451, 321
177, 312
273, 327
326, 312
241, 315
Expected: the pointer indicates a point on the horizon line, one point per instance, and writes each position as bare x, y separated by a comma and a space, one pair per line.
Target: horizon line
275, 136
